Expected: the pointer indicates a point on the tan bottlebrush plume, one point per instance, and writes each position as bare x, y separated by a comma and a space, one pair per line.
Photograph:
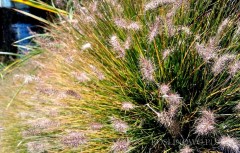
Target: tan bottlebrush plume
127, 43
212, 44
166, 53
156, 3
121, 23
134, 26
179, 3
43, 123
174, 103
164, 89
147, 69
120, 146
93, 6
169, 122
237, 108
37, 147
119, 125
237, 32
81, 77
59, 3
230, 144
174, 99
74, 139
186, 149
31, 78
185, 30
205, 52
115, 42
27, 78
223, 25
154, 29
31, 132
126, 106
98, 73
48, 91
234, 68
206, 123
127, 24
172, 110
73, 94
69, 59
165, 119
115, 4
96, 126
221, 63
171, 28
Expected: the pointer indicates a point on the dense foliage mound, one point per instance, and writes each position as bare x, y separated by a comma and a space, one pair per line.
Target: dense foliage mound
129, 76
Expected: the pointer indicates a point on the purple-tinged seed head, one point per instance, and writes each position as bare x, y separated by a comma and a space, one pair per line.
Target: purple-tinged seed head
147, 69
207, 53
206, 123
156, 3
119, 125
126, 106
172, 110
69, 59
134, 26
115, 42
229, 143
174, 99
48, 91
154, 29
61, 95
37, 147
166, 53
234, 68
212, 44
164, 89
81, 77
98, 73
120, 146
121, 23
43, 123
96, 126
237, 108
31, 132
115, 4
204, 128
185, 30
165, 119
221, 63
74, 139
186, 149
127, 43
223, 25
94, 6
73, 94
127, 24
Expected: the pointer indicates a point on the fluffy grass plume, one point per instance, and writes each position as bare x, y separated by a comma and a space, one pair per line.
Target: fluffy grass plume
128, 76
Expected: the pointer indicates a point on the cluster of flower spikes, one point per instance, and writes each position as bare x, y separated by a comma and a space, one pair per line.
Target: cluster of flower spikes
75, 106
205, 124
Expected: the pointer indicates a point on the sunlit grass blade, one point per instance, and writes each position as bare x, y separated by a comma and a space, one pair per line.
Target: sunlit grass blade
42, 6
10, 53
35, 17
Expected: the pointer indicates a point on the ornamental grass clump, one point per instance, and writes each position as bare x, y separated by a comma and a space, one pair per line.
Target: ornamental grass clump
128, 76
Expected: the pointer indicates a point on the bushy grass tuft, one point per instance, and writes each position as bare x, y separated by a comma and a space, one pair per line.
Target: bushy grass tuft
129, 76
